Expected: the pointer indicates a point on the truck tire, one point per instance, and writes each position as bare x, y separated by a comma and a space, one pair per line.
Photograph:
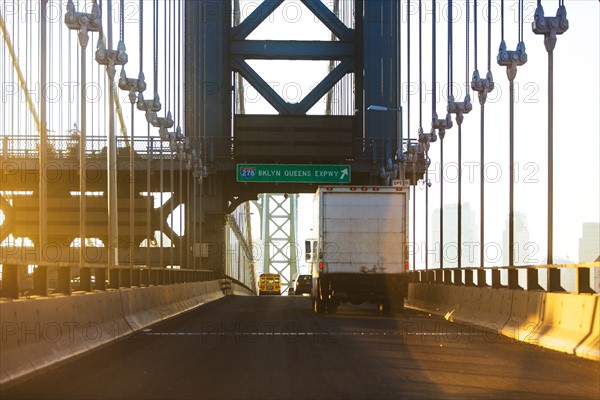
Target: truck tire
332, 306
398, 306
318, 306
383, 306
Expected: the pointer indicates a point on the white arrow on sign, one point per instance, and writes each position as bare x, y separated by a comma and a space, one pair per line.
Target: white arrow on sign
344, 173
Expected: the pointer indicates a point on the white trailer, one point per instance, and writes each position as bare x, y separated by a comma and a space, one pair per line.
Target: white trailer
361, 251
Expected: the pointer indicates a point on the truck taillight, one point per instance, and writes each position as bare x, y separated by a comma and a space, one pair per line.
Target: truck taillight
406, 266
321, 266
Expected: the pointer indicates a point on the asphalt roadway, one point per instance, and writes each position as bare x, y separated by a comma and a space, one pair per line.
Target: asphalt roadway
276, 348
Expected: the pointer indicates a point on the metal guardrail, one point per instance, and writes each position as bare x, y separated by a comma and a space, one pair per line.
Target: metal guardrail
215, 148
67, 277
465, 277
64, 146
237, 282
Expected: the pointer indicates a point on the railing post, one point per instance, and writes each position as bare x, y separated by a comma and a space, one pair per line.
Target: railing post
124, 277
64, 280
430, 276
513, 279
469, 277
458, 276
100, 278
153, 277
144, 277
10, 281
533, 282
554, 280
85, 279
583, 280
113, 278
136, 275
447, 277
439, 276
40, 280
481, 277
496, 278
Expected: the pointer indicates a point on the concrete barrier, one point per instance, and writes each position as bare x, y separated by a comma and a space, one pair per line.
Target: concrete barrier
570, 324
525, 317
564, 322
240, 290
37, 333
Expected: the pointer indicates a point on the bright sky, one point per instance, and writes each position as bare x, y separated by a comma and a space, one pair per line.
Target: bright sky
576, 105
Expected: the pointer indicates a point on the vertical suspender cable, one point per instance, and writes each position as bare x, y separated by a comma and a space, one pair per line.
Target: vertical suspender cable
459, 123
511, 215
511, 60
481, 145
41, 284
148, 156
482, 98
511, 158
398, 80
450, 56
183, 214
161, 155
171, 103
82, 157
433, 61
549, 255
179, 116
550, 28
441, 223
113, 240
482, 150
414, 181
420, 131
132, 243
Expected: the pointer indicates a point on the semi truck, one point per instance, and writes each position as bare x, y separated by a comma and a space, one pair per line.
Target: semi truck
360, 248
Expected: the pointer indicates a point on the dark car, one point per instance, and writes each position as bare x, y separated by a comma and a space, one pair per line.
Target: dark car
303, 284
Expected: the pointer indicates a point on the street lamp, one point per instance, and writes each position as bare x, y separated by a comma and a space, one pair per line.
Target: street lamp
382, 108
374, 107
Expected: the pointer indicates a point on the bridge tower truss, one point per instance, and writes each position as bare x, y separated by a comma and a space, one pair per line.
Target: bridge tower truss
278, 214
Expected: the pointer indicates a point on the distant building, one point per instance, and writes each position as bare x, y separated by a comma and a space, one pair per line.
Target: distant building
470, 238
524, 250
589, 249
589, 242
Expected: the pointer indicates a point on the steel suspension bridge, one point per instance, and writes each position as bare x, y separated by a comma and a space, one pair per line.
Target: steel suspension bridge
125, 124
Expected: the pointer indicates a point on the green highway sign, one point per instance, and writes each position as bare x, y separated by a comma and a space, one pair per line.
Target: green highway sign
306, 173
